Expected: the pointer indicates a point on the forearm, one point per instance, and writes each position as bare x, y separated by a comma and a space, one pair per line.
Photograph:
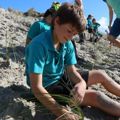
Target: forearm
75, 77
110, 14
110, 18
80, 85
49, 102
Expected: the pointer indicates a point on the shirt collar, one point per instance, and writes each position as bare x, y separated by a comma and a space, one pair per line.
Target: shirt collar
49, 42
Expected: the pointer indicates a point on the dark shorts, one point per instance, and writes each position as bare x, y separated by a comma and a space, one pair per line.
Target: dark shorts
61, 91
90, 30
115, 29
64, 86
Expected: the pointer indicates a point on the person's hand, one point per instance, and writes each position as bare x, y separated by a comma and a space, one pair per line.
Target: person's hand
115, 43
78, 2
71, 116
68, 116
79, 92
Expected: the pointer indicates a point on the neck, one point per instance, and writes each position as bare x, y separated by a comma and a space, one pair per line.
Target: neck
56, 41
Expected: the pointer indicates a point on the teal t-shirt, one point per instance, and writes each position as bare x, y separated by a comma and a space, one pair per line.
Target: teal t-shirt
43, 58
89, 23
37, 28
95, 26
115, 4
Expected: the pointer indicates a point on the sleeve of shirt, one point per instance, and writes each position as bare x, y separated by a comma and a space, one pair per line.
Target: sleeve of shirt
36, 59
89, 23
98, 25
70, 58
34, 30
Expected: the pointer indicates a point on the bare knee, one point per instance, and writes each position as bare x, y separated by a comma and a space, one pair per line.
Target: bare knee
101, 73
92, 98
104, 77
97, 98
110, 38
97, 76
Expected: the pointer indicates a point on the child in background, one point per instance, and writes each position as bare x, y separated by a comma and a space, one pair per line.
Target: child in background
114, 7
41, 25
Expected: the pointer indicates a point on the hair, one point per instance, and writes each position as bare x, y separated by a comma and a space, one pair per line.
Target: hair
93, 19
48, 12
89, 16
56, 5
68, 13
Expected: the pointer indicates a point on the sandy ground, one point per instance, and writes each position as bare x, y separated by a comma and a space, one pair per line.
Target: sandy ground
15, 104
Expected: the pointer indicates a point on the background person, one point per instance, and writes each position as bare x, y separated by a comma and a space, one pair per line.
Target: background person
114, 7
96, 32
89, 26
41, 25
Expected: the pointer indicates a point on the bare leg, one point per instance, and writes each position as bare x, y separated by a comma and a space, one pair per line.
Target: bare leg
101, 101
114, 41
99, 76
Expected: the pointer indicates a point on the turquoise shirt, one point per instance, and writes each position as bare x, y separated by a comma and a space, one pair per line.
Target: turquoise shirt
95, 26
43, 58
37, 28
115, 4
89, 23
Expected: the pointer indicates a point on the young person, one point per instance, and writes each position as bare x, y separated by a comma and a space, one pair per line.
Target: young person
95, 27
89, 26
55, 5
51, 53
89, 23
114, 7
41, 25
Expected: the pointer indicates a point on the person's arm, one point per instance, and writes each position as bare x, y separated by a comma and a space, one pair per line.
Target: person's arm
43, 96
80, 85
79, 3
47, 100
115, 42
110, 15
98, 24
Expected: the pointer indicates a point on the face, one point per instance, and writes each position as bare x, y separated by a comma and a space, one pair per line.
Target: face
49, 19
94, 21
64, 32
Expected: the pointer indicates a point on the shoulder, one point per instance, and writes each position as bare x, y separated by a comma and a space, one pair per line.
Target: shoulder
37, 22
42, 39
35, 25
38, 40
69, 45
98, 24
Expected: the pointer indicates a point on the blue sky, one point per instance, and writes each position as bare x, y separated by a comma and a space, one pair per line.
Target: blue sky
95, 7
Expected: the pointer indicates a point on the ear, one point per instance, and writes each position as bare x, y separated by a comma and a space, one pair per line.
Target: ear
57, 21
